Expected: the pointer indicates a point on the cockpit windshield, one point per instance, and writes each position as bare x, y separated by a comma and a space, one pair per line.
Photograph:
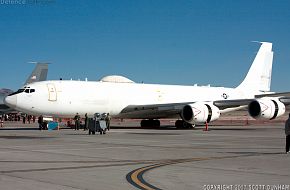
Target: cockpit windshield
25, 89
29, 90
17, 92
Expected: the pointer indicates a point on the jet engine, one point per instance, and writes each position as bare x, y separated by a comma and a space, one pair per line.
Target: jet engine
266, 108
199, 113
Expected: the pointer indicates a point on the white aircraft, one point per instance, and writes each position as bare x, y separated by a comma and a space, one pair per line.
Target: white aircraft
122, 98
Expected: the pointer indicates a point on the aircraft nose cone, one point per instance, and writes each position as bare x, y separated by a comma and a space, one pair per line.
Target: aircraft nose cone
11, 101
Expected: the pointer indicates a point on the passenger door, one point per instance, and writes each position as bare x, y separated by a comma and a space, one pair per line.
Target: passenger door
52, 95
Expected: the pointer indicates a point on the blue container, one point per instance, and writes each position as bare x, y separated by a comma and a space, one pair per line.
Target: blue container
52, 125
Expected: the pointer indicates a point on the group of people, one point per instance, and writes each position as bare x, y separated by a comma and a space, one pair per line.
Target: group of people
11, 117
17, 118
28, 118
77, 120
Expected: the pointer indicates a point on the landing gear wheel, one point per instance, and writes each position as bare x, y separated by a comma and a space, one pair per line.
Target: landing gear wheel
151, 123
143, 123
180, 124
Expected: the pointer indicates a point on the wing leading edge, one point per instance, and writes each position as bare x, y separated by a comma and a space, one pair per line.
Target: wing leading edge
173, 110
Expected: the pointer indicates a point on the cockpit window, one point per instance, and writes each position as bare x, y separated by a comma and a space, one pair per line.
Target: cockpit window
17, 92
26, 90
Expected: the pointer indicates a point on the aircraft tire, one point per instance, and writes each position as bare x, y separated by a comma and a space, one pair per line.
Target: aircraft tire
151, 123
180, 124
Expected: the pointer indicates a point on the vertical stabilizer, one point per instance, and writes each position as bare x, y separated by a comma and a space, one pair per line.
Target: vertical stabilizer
258, 78
38, 74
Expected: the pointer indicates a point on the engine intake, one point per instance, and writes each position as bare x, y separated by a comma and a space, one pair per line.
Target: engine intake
200, 113
266, 108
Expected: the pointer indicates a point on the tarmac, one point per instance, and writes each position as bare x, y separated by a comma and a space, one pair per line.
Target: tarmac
225, 157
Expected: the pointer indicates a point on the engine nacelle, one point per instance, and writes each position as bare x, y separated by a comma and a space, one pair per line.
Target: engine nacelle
200, 113
266, 108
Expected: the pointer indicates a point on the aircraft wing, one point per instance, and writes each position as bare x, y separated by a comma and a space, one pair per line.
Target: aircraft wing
174, 109
224, 104
170, 110
284, 97
273, 94
153, 111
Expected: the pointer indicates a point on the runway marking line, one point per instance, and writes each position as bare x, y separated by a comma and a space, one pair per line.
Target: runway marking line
136, 179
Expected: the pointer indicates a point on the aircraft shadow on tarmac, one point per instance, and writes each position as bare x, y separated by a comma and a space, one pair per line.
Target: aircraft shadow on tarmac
233, 129
255, 153
170, 127
19, 129
164, 127
23, 137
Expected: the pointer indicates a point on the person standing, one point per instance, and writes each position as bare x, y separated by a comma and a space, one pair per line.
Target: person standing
287, 133
86, 122
23, 119
1, 121
40, 122
29, 118
108, 120
77, 121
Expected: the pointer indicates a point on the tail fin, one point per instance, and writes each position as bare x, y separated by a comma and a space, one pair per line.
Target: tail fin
38, 74
258, 78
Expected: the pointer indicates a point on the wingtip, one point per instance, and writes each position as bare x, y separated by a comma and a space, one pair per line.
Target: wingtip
37, 62
260, 42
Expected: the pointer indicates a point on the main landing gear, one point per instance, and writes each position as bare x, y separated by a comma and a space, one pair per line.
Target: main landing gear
155, 123
151, 123
180, 124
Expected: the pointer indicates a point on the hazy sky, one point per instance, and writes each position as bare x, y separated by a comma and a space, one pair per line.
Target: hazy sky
154, 41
